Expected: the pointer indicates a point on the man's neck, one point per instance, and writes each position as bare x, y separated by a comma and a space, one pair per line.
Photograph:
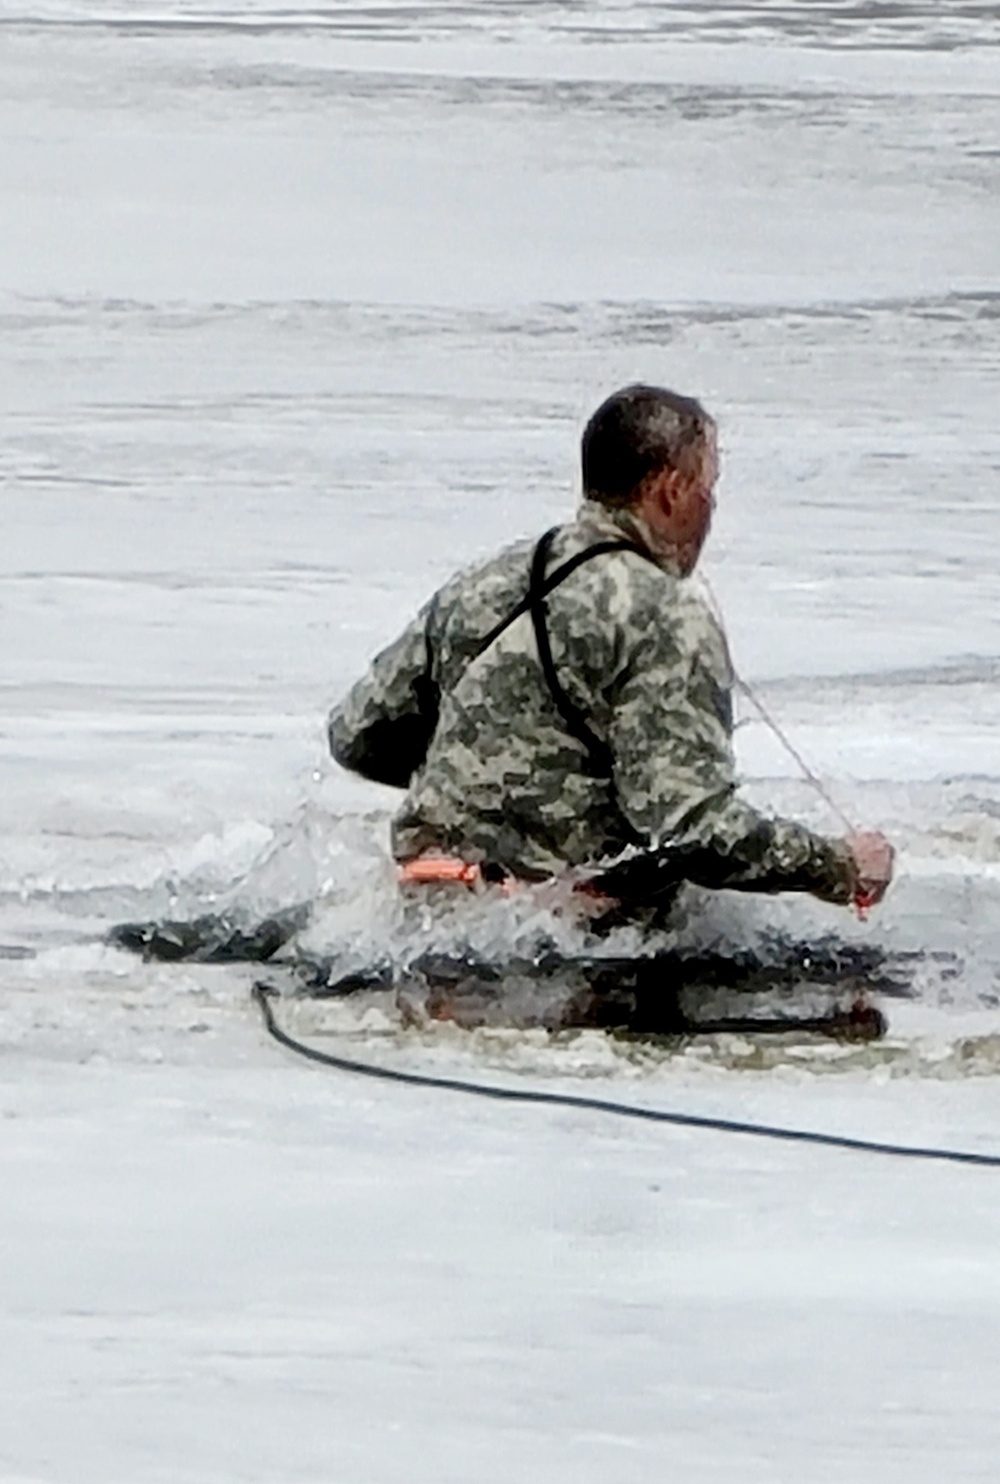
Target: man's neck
626, 521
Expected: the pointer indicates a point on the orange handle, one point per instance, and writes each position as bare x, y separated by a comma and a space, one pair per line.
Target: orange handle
427, 870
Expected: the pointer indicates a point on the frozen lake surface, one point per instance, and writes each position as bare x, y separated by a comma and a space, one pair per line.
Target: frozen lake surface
300, 310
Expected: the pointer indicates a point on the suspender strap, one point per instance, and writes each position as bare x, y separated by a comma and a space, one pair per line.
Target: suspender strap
539, 588
573, 718
545, 585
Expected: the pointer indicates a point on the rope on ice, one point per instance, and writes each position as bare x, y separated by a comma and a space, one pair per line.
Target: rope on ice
264, 994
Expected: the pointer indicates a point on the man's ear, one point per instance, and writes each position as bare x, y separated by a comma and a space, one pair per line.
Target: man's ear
666, 490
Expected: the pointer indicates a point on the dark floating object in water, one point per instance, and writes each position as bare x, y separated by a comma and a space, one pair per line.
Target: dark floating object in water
211, 939
667, 995
787, 987
17, 951
792, 987
796, 987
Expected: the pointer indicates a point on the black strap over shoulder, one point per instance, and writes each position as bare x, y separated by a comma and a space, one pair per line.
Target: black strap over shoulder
390, 750
574, 719
537, 592
539, 588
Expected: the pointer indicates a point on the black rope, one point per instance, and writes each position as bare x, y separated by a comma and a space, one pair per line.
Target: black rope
265, 993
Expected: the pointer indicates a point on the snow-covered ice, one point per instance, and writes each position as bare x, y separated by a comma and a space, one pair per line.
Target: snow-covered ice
300, 309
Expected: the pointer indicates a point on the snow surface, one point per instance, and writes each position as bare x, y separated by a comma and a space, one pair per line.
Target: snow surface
299, 310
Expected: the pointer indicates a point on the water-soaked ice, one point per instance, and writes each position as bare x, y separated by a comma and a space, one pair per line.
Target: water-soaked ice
301, 308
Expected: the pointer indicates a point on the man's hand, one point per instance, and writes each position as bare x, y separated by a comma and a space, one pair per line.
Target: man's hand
873, 858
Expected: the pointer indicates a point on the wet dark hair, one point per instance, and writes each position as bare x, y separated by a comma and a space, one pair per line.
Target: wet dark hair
637, 432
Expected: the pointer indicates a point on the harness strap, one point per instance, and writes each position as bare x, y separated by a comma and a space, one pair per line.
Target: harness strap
539, 588
573, 718
546, 585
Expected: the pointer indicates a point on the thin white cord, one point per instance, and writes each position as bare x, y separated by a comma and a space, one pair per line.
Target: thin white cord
793, 752
772, 725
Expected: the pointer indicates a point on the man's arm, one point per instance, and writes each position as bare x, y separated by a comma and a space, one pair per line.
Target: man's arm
382, 727
675, 772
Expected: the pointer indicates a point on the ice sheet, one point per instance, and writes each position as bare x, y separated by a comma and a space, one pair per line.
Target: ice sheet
300, 309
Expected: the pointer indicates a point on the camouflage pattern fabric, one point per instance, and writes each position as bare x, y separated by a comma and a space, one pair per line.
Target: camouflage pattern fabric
494, 775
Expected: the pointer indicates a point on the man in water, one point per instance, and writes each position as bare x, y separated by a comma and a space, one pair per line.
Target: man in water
566, 707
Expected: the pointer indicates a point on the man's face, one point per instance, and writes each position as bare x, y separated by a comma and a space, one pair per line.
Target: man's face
698, 504
680, 504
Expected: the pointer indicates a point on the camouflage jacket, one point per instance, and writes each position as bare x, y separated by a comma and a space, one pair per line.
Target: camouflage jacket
493, 772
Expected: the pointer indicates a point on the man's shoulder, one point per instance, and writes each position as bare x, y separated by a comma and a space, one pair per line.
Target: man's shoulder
473, 601
648, 614
624, 584
487, 578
